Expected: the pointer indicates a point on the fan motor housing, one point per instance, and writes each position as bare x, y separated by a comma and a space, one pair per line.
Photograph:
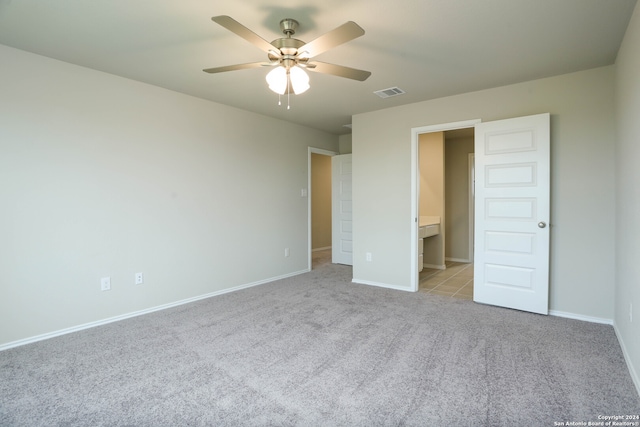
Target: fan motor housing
287, 45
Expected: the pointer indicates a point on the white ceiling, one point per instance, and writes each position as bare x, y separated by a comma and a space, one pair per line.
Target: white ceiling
428, 48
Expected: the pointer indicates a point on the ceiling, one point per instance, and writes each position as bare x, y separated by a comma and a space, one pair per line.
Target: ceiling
428, 48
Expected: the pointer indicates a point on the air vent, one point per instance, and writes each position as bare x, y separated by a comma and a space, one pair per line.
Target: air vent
386, 93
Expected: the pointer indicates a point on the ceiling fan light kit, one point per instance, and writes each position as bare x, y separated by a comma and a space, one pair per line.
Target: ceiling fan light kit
290, 55
283, 80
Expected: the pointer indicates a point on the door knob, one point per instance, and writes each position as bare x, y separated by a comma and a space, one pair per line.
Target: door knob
542, 224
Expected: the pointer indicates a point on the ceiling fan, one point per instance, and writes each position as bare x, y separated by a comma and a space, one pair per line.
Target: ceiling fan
290, 56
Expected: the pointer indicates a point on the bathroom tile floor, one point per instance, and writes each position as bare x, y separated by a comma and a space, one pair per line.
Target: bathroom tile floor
455, 281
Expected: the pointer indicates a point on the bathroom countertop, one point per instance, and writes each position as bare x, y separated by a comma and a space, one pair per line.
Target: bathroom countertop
428, 220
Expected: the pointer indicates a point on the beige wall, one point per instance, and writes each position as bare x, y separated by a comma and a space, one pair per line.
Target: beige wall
431, 197
582, 182
104, 176
457, 197
627, 175
431, 158
320, 201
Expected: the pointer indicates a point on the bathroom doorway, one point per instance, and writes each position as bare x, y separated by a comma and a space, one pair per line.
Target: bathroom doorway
455, 226
446, 175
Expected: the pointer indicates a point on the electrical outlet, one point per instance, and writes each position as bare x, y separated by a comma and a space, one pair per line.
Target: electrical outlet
286, 252
105, 283
139, 278
368, 256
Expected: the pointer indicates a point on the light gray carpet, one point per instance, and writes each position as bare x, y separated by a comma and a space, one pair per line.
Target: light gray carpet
317, 350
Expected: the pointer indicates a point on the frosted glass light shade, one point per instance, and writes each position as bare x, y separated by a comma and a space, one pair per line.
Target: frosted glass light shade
299, 80
279, 79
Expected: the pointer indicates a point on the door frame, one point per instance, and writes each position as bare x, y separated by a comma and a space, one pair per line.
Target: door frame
312, 150
472, 200
415, 187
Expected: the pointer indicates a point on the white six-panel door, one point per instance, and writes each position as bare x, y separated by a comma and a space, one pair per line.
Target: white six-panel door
341, 210
512, 213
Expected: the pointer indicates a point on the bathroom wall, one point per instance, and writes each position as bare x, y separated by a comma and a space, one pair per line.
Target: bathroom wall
431, 203
456, 172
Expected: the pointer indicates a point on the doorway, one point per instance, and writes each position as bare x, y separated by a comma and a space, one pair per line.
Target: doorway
415, 188
445, 261
319, 206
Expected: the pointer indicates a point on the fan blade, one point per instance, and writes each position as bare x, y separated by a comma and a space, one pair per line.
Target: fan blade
236, 67
239, 29
344, 33
340, 71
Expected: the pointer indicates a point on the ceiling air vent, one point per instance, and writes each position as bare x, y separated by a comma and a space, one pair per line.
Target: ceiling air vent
386, 93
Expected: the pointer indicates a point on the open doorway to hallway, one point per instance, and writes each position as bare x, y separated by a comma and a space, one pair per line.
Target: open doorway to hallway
320, 206
320, 257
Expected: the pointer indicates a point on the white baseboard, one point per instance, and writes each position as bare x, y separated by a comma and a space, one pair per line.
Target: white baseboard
581, 317
435, 266
72, 329
381, 285
321, 249
634, 375
462, 260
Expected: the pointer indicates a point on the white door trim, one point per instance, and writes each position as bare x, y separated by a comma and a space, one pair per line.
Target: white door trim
312, 150
415, 187
472, 195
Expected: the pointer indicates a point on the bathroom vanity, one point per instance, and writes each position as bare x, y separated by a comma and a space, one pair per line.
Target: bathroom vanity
428, 226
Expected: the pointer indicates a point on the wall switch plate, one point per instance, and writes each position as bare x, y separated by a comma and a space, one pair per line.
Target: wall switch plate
105, 283
286, 252
368, 256
303, 192
139, 278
